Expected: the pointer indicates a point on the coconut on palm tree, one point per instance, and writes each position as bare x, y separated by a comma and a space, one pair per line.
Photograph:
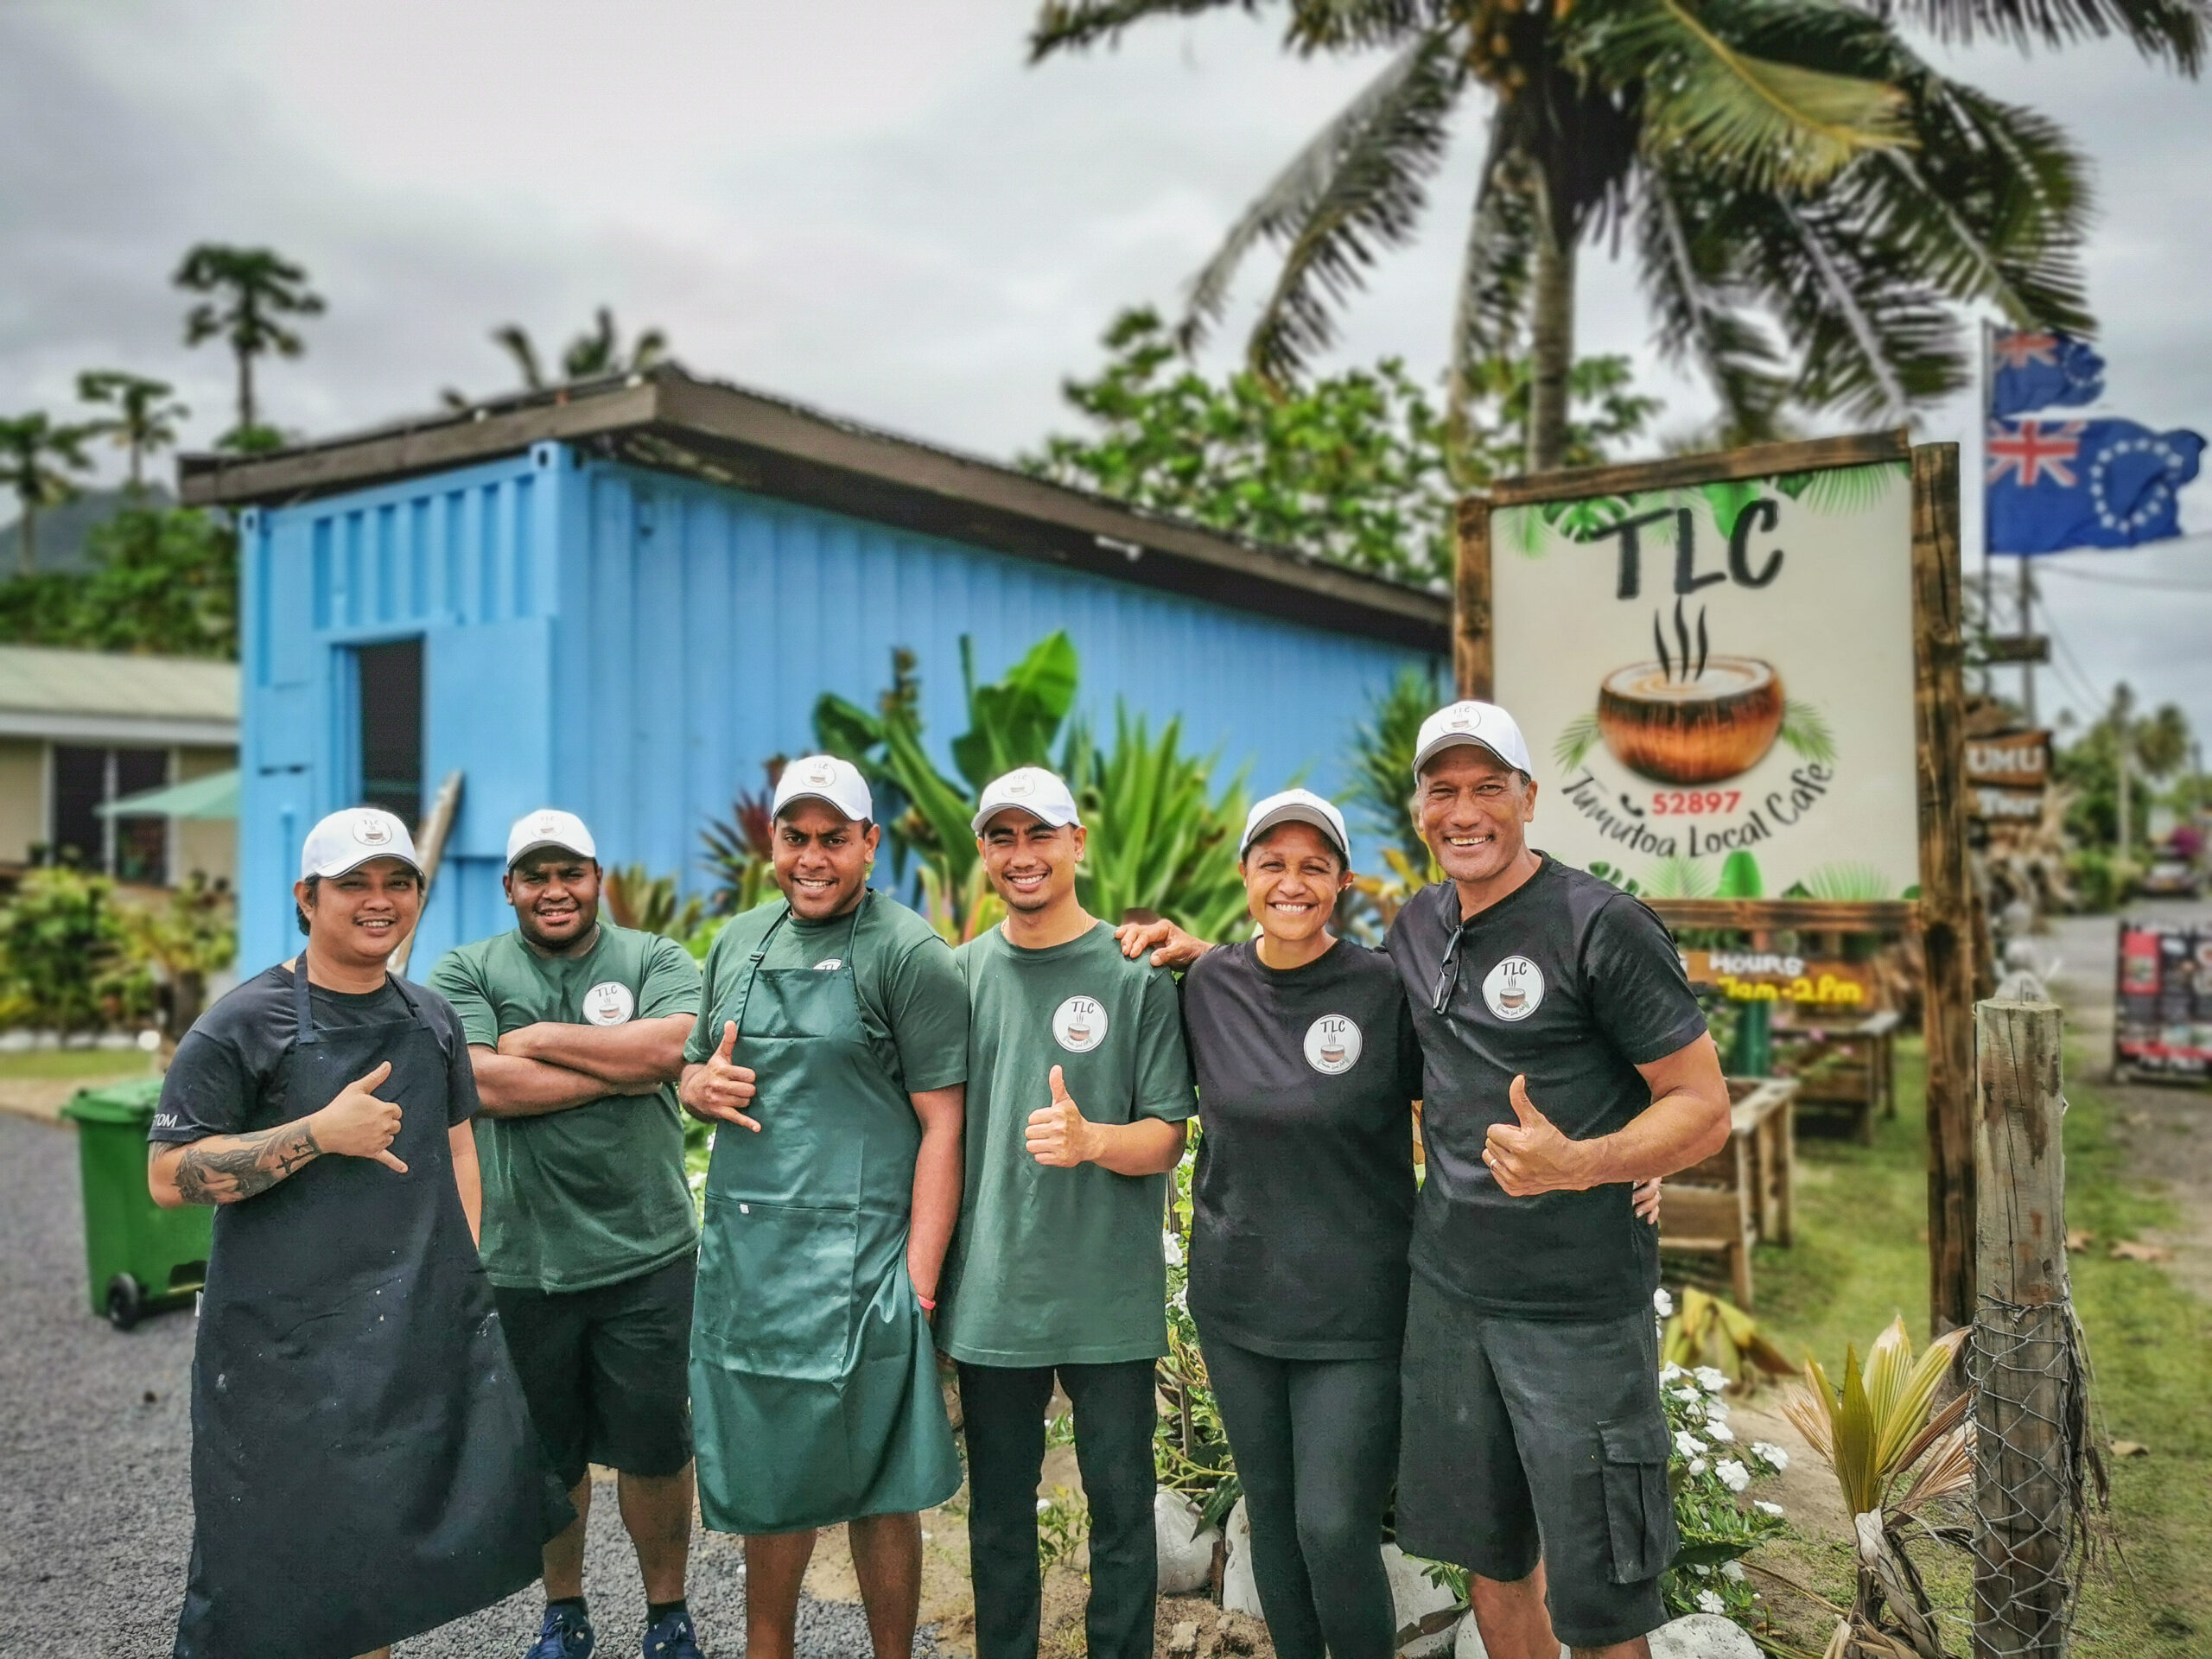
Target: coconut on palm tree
251, 290
1805, 197
145, 415
33, 453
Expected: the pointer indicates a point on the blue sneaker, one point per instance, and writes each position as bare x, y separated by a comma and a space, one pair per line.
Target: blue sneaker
566, 1634
672, 1638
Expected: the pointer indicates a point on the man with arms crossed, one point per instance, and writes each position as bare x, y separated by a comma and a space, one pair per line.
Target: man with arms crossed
1077, 1089
577, 1030
1564, 1061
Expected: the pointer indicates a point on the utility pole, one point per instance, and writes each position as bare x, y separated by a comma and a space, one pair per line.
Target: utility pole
2027, 628
2121, 736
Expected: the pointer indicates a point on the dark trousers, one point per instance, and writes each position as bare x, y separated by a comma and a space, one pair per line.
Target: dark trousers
1002, 1413
1316, 1444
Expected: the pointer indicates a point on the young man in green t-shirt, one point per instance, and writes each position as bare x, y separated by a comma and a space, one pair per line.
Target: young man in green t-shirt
577, 1030
1077, 1089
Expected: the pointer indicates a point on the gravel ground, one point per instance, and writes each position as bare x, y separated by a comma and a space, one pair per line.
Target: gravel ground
95, 1496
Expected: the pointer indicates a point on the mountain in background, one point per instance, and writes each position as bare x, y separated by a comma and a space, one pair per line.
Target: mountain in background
63, 531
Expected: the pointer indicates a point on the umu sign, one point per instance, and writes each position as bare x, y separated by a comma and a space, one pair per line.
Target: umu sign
2006, 775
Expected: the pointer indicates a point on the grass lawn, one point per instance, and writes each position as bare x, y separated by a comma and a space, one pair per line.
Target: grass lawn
72, 1063
1860, 1260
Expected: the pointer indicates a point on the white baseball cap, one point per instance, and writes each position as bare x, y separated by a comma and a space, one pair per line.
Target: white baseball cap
1040, 793
1296, 806
348, 839
548, 827
1483, 724
825, 778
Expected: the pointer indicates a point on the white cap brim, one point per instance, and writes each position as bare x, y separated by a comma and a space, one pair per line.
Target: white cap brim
842, 808
331, 871
517, 857
1455, 740
1295, 812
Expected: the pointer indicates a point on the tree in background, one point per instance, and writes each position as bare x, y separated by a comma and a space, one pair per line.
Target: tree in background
1771, 162
1349, 467
250, 291
2153, 747
145, 415
162, 579
595, 352
36, 457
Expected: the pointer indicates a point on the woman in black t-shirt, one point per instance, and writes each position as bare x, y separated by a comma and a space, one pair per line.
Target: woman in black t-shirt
1303, 1204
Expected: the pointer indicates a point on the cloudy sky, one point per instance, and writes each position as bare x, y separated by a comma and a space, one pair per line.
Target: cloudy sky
872, 205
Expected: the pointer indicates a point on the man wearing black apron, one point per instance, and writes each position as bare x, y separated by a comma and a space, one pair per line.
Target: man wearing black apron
832, 1053
363, 1464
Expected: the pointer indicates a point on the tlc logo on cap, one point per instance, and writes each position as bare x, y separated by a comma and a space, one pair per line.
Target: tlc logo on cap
371, 831
1515, 989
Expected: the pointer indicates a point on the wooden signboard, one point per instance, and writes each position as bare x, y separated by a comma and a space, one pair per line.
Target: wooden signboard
1740, 676
1811, 983
2014, 759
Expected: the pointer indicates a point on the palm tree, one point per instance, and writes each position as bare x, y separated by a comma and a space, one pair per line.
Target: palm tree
597, 352
253, 289
145, 415
33, 451
1786, 165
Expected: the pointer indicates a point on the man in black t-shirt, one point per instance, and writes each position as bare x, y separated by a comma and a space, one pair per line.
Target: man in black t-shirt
1564, 1059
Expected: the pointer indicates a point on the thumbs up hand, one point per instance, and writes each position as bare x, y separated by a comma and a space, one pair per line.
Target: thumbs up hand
1531, 1156
1059, 1135
720, 1090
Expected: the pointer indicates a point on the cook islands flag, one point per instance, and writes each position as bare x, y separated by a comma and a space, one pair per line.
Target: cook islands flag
2055, 485
2034, 369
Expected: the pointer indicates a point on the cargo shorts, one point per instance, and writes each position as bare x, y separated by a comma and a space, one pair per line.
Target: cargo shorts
1523, 1441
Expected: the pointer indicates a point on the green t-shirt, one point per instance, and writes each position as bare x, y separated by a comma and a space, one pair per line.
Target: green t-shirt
1054, 1267
587, 1196
913, 1005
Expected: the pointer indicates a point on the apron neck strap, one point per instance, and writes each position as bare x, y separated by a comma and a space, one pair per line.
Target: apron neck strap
303, 1012
761, 952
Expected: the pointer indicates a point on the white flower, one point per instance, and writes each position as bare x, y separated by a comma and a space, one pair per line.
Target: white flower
1733, 1473
1718, 1429
1669, 1371
1708, 1601
1765, 1507
1044, 1506
1172, 1248
1662, 1304
1687, 1396
1700, 1569
1714, 1381
1733, 1571
1697, 1466
1687, 1443
1771, 1455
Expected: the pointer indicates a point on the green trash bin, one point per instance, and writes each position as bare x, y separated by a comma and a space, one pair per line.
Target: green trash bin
141, 1257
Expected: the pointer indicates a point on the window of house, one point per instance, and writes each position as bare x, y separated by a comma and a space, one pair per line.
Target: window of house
130, 848
392, 728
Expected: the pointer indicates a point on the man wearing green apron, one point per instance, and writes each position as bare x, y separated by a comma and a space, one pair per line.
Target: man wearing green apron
832, 1056
575, 1030
363, 1467
1078, 1085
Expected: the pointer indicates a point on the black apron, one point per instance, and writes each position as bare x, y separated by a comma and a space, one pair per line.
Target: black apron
363, 1465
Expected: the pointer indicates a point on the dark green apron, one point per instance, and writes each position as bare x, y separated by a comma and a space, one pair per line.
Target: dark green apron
363, 1465
814, 1390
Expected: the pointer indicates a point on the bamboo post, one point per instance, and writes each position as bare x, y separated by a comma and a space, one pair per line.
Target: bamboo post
1474, 653
430, 847
2028, 1405
1946, 885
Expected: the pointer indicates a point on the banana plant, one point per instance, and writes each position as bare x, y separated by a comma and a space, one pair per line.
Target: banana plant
1879, 1431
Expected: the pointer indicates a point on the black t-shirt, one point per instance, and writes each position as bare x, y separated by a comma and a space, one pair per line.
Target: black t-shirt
224, 1078
1303, 1198
1574, 983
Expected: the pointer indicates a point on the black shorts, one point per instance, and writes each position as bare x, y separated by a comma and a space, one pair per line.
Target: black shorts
606, 1371
1523, 1440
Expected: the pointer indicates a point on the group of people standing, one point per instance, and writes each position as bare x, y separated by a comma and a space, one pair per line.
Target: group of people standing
413, 1347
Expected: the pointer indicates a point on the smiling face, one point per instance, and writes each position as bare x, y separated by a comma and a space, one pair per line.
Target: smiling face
1292, 877
822, 859
358, 920
556, 896
1031, 864
1474, 812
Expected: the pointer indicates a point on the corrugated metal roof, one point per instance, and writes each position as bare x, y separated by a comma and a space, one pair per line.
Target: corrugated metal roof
43, 680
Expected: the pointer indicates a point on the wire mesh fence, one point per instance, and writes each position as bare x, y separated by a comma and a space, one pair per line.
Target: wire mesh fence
2030, 1523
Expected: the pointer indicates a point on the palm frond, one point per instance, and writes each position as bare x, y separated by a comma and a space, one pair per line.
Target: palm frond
1357, 186
2173, 29
1576, 739
1074, 24
1847, 882
1492, 301
1840, 490
1677, 877
1764, 122
1805, 730
1699, 315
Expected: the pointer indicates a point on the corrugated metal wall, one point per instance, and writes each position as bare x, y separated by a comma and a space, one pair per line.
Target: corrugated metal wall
633, 645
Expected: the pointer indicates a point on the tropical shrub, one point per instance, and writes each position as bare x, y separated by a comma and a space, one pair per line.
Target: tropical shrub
61, 938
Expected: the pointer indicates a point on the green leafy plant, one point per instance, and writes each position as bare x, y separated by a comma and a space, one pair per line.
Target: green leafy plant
650, 903
1063, 1523
250, 291
1710, 1470
1380, 793
1160, 841
1190, 1445
60, 935
36, 457
162, 579
1857, 883
740, 850
1879, 1432
1706, 1331
182, 938
1806, 729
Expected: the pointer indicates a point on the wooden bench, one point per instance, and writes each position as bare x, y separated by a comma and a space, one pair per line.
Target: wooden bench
1744, 1192
1845, 1071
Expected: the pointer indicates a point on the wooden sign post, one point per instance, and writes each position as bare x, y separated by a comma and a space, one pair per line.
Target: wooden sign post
1741, 677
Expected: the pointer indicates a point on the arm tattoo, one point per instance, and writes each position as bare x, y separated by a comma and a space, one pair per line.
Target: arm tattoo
225, 1169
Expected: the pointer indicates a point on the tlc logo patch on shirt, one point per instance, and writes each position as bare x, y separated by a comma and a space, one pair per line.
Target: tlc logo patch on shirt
1079, 1025
609, 1003
1515, 989
1333, 1044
